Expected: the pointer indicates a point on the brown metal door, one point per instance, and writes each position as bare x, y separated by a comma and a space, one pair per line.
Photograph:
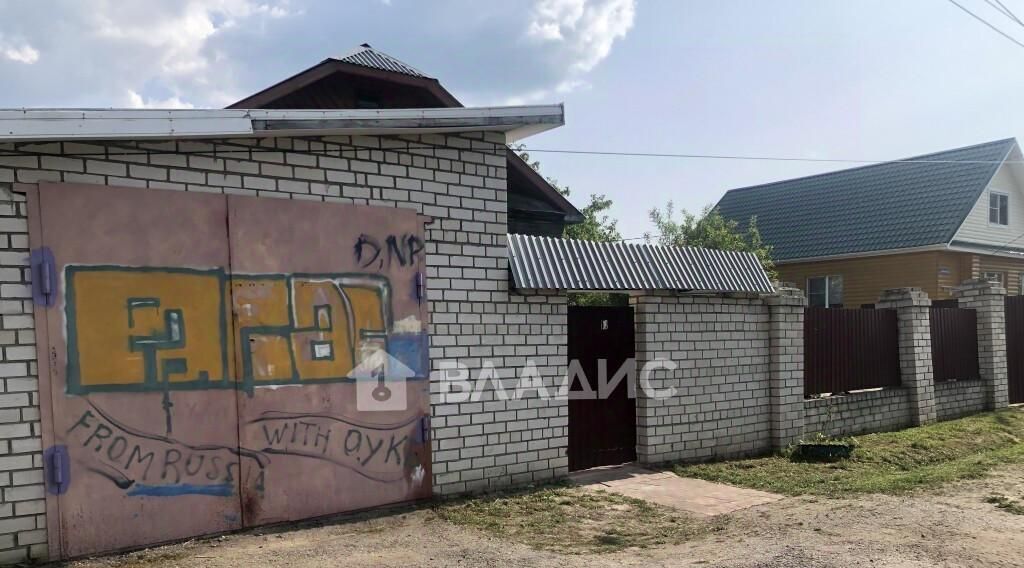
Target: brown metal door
602, 429
142, 447
330, 312
1015, 347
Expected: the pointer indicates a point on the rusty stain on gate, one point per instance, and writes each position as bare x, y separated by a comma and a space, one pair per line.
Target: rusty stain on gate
314, 333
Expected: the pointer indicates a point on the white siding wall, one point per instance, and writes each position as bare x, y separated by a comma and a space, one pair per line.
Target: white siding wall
976, 228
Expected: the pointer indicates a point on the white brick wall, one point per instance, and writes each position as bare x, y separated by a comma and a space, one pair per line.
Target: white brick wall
954, 399
488, 442
721, 406
458, 180
889, 409
22, 511
858, 413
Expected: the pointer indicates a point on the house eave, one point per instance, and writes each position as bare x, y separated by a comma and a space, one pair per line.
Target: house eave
863, 254
986, 249
24, 125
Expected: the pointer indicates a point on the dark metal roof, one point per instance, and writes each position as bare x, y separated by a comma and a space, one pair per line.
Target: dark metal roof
369, 57
894, 205
569, 264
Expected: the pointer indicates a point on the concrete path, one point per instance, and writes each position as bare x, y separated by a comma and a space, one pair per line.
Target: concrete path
664, 488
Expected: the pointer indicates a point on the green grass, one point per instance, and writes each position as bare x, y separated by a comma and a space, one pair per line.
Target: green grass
1004, 503
891, 462
571, 520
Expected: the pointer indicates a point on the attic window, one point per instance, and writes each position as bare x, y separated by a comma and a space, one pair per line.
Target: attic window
998, 208
367, 100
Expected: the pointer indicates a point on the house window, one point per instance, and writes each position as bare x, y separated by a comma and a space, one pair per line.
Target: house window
367, 100
996, 277
825, 291
998, 208
1020, 283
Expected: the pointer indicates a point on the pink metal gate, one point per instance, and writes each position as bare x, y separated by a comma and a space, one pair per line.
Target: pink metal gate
218, 362
351, 279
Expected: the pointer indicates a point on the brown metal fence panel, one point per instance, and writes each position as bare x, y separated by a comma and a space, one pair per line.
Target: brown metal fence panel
954, 344
850, 349
1015, 347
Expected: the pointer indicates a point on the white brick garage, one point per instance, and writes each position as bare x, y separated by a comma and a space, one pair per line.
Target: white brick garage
457, 179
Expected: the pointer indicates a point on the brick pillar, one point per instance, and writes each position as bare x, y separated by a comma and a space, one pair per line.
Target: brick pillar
914, 319
988, 300
653, 430
786, 365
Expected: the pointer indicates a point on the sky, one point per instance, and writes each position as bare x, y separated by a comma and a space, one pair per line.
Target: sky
820, 79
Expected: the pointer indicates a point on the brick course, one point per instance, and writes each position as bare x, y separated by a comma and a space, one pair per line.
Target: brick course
721, 403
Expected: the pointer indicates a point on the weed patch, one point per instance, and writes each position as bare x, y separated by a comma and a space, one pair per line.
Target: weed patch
890, 462
572, 520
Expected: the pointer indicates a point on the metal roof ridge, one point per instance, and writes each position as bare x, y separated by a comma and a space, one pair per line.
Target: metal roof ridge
906, 160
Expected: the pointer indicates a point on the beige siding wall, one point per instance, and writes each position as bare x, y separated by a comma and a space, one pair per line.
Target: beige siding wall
1009, 268
937, 273
865, 278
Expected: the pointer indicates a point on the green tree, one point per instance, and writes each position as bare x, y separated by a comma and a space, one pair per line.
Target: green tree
711, 230
597, 225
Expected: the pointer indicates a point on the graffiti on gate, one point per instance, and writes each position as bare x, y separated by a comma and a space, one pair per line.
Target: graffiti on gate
146, 464
389, 452
163, 330
166, 329
402, 250
145, 329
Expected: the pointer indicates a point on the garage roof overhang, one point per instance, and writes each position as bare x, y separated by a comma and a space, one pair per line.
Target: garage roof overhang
567, 264
516, 122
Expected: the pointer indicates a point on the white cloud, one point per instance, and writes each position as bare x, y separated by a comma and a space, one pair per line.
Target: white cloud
20, 52
143, 53
550, 16
179, 39
135, 100
582, 32
587, 28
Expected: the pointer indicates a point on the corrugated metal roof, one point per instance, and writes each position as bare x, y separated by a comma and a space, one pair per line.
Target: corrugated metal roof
369, 57
569, 264
916, 202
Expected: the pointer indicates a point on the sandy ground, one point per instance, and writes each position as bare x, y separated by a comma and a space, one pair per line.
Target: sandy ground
952, 526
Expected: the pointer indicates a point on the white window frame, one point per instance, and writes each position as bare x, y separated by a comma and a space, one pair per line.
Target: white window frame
828, 286
992, 193
1000, 277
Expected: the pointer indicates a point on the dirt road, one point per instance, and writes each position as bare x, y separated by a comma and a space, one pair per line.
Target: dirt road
953, 526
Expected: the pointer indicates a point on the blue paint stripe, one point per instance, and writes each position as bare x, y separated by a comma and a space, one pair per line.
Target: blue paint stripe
217, 490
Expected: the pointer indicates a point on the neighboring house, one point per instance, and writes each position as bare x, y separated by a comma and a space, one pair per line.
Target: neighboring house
366, 79
931, 221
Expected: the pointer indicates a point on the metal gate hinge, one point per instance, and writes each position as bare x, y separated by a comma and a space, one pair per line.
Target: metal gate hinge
44, 276
425, 429
421, 286
57, 469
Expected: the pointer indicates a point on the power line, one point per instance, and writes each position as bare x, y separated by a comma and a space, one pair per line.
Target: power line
760, 158
998, 5
1007, 244
645, 237
986, 22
